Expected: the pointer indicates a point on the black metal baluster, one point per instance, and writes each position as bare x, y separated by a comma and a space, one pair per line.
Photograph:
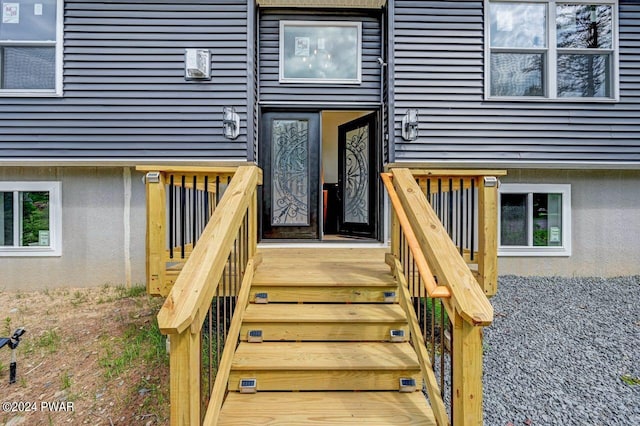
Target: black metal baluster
461, 218
205, 208
450, 216
183, 208
442, 348
194, 223
171, 217
473, 219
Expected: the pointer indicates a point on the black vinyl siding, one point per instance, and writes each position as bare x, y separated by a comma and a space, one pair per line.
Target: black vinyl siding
439, 69
271, 90
125, 95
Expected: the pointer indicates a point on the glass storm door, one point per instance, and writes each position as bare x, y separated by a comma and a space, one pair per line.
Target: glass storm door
357, 177
289, 149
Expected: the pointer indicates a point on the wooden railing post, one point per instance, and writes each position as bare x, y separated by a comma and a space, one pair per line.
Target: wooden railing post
156, 231
467, 373
488, 235
184, 380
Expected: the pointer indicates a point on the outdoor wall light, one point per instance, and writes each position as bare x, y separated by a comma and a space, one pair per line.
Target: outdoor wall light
230, 122
410, 125
197, 64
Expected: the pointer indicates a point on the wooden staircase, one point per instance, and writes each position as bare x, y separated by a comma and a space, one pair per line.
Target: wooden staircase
326, 355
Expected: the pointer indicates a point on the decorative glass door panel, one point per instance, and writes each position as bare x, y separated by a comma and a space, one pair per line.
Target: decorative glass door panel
290, 173
357, 178
289, 147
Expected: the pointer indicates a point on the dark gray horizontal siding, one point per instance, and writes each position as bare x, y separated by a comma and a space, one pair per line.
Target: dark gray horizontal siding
271, 90
439, 60
125, 95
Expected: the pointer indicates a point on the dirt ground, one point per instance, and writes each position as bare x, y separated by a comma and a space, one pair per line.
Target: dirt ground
89, 356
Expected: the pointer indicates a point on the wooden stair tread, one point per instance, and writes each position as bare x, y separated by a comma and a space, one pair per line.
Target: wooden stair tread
341, 267
288, 356
332, 313
326, 408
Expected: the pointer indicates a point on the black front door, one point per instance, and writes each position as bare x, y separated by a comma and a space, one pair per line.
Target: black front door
289, 157
357, 177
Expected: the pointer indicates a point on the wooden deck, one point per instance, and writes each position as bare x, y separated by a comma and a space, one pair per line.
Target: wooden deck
326, 356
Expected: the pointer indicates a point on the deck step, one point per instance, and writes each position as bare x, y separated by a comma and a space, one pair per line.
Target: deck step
295, 366
327, 408
328, 322
326, 293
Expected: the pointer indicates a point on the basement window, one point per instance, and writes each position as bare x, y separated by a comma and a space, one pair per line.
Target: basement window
30, 222
535, 220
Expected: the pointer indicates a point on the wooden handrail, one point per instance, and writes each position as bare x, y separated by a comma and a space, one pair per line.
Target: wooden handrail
433, 289
466, 295
193, 291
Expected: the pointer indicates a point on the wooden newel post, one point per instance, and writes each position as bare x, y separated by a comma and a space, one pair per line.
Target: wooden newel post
156, 231
184, 380
488, 235
467, 373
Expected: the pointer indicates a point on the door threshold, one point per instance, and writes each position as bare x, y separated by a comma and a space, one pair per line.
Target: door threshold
324, 245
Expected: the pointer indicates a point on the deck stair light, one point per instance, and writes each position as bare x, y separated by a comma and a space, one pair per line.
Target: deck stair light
410, 125
230, 122
13, 343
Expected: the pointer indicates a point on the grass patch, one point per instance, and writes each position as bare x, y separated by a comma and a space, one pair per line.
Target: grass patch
49, 341
146, 343
79, 298
133, 291
630, 380
66, 380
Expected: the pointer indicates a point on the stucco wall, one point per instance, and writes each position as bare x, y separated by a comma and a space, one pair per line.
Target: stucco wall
605, 208
95, 239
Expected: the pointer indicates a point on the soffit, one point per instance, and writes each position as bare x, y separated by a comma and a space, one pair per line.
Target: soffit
350, 4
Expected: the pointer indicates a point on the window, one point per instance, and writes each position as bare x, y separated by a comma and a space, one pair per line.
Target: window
320, 52
30, 51
552, 49
30, 222
535, 220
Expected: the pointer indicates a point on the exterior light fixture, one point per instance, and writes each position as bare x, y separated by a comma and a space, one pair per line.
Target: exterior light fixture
230, 122
197, 64
410, 125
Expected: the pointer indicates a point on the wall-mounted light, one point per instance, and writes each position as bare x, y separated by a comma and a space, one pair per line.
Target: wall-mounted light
410, 125
197, 64
230, 122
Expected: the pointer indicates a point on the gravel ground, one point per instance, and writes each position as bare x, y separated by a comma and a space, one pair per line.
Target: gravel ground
558, 350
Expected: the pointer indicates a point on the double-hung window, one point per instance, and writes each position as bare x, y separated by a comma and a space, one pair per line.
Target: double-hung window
551, 49
30, 219
30, 48
535, 220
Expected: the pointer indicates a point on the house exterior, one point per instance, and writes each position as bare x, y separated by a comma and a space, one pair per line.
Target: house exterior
548, 90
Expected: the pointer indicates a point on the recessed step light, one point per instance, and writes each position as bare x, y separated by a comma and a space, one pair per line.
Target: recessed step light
407, 385
396, 336
389, 296
248, 385
254, 336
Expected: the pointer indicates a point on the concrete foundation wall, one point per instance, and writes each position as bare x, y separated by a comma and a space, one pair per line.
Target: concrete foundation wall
103, 230
605, 207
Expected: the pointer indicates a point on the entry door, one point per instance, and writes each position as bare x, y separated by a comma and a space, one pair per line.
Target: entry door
357, 177
289, 149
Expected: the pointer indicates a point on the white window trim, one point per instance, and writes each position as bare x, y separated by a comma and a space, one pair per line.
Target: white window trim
524, 188
551, 49
55, 219
59, 68
355, 24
